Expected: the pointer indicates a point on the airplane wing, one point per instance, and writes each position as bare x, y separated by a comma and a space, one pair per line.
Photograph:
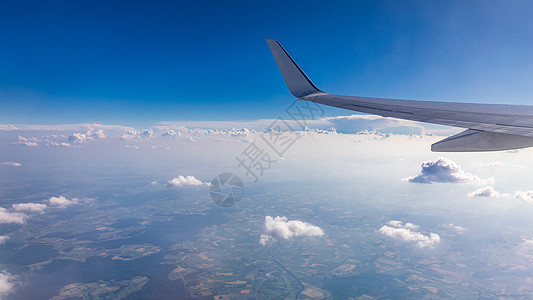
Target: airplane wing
489, 127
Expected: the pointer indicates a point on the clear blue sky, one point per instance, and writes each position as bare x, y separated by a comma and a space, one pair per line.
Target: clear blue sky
133, 62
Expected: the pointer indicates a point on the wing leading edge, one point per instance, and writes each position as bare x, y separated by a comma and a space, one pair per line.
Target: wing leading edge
489, 127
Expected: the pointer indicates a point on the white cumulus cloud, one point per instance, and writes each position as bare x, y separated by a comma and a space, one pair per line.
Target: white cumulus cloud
3, 239
31, 141
79, 138
486, 191
134, 134
6, 283
526, 196
62, 201
11, 164
528, 242
181, 181
406, 232
456, 227
281, 227
445, 170
11, 217
30, 207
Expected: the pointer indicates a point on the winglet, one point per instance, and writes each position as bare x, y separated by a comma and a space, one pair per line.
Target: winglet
298, 83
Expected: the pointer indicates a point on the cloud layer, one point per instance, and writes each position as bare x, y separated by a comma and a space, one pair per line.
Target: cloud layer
446, 171
282, 228
406, 232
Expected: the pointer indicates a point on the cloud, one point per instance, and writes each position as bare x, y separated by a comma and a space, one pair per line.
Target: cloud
62, 201
486, 191
11, 163
135, 135
30, 207
355, 123
185, 181
11, 217
3, 239
31, 141
281, 227
6, 283
405, 232
456, 227
489, 164
79, 138
60, 144
528, 242
445, 170
343, 124
170, 133
526, 196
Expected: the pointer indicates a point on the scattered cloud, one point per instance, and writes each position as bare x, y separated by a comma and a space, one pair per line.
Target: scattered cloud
31, 141
528, 242
3, 239
11, 217
447, 171
526, 196
80, 138
456, 227
135, 135
6, 283
62, 201
281, 227
29, 207
171, 132
11, 163
154, 182
59, 144
181, 181
406, 232
489, 164
486, 191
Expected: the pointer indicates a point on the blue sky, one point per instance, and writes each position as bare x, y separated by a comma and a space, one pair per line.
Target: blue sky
144, 62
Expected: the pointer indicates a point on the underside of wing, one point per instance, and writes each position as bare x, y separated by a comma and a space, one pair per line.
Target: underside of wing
474, 141
490, 127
